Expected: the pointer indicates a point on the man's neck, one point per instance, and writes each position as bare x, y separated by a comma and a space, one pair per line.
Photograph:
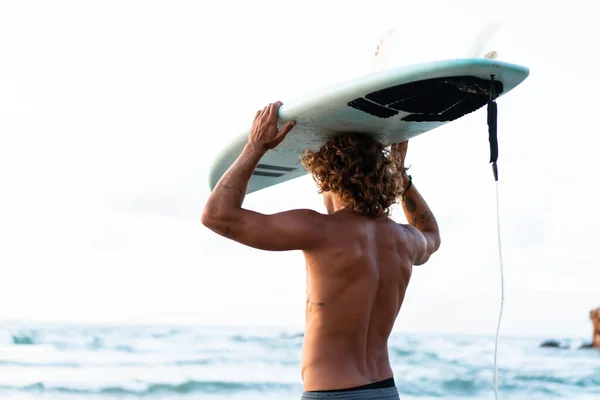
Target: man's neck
338, 207
334, 205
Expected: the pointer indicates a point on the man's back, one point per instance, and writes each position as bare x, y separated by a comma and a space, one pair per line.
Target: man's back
356, 283
358, 261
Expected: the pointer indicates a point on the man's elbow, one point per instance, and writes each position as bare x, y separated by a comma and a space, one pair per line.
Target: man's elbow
437, 242
433, 244
218, 221
209, 218
433, 241
205, 218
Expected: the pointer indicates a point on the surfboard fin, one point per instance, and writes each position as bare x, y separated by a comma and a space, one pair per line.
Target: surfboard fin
382, 51
482, 40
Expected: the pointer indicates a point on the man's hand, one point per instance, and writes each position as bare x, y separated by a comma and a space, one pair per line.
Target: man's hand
264, 128
398, 153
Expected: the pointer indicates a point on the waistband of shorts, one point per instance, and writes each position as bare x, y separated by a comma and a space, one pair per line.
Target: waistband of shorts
362, 394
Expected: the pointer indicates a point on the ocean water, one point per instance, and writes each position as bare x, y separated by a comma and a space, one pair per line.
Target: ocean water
110, 362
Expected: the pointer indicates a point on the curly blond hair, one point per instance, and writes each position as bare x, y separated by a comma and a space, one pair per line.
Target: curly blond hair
360, 170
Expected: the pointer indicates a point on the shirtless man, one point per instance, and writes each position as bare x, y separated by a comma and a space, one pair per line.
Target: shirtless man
358, 261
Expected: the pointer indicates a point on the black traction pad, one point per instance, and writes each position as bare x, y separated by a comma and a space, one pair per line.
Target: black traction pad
430, 100
269, 174
372, 108
275, 167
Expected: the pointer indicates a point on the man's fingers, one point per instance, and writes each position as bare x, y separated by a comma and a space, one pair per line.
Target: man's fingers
400, 147
263, 112
268, 110
282, 133
287, 127
274, 110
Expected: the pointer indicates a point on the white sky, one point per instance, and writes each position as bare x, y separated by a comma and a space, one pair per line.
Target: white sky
111, 112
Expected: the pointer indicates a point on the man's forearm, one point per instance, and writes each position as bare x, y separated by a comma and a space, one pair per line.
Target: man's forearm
417, 211
230, 191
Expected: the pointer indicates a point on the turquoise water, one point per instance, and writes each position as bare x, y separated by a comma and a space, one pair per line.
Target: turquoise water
96, 362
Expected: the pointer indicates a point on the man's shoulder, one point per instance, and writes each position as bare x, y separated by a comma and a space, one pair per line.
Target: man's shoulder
306, 213
307, 216
353, 223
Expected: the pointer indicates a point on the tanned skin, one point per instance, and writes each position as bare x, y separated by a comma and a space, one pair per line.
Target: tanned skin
595, 318
357, 268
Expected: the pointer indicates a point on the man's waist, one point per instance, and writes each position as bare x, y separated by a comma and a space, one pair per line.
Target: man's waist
382, 390
384, 384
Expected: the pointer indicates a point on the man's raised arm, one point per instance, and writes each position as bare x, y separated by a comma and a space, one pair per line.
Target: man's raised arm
223, 212
417, 212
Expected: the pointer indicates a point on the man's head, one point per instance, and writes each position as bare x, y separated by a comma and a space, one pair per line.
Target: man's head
356, 171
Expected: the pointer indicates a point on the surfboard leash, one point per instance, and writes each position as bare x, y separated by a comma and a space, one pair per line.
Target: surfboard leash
492, 120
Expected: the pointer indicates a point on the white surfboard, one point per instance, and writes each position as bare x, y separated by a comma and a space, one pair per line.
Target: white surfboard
391, 105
